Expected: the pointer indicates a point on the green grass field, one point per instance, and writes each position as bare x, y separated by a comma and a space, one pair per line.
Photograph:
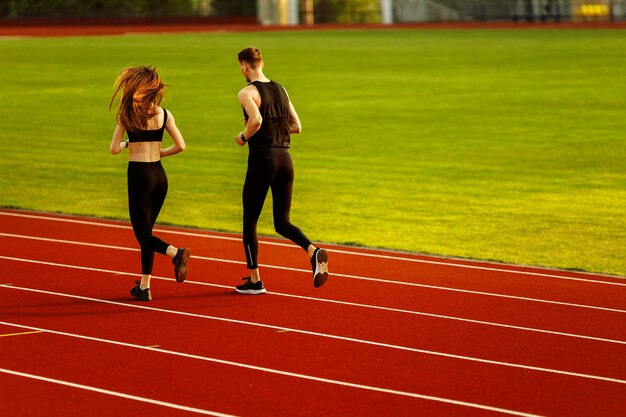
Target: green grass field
497, 145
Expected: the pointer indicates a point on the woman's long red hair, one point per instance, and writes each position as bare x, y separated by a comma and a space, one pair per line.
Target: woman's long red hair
141, 91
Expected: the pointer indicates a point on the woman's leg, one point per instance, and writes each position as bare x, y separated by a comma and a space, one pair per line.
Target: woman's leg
179, 256
157, 198
145, 199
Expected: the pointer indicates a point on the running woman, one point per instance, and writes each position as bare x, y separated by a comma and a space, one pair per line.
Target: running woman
139, 114
270, 118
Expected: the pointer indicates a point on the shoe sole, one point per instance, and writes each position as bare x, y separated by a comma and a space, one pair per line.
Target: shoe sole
321, 268
181, 274
253, 292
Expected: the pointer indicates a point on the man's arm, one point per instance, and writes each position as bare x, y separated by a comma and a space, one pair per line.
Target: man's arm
247, 100
294, 121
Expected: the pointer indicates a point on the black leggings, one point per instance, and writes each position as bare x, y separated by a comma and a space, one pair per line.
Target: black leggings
268, 168
147, 187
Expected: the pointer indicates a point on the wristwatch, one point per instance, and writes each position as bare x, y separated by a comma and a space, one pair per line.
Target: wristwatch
243, 137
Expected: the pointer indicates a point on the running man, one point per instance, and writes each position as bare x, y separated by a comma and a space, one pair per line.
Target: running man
270, 118
139, 114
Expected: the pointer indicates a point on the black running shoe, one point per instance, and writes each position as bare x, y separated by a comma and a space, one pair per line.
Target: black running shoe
143, 295
319, 263
250, 288
180, 264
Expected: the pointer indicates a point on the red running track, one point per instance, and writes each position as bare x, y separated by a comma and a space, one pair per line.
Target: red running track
390, 333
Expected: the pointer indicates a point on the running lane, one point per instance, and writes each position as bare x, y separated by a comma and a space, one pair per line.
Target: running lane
564, 357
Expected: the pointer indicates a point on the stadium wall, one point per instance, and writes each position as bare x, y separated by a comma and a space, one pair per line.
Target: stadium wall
508, 10
303, 12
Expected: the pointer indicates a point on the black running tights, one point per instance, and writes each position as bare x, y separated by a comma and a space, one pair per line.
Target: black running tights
147, 188
268, 168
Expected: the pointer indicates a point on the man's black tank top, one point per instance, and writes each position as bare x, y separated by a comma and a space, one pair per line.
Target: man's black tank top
155, 135
274, 130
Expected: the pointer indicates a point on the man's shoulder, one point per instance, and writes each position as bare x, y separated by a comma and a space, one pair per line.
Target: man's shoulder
248, 90
249, 87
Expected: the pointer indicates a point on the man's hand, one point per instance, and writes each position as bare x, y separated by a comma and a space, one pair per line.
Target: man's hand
238, 139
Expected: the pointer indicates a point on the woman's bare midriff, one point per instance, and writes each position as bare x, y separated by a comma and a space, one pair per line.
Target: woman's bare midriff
144, 151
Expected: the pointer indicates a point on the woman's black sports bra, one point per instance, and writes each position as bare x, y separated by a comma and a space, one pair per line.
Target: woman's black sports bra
155, 135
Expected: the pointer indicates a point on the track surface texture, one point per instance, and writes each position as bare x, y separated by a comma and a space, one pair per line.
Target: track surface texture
389, 334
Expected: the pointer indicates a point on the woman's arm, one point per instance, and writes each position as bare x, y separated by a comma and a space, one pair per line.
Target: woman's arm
117, 145
177, 137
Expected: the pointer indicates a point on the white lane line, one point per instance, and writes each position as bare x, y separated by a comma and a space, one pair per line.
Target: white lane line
420, 313
69, 242
482, 293
284, 373
215, 318
283, 268
395, 310
325, 300
347, 252
114, 393
325, 335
